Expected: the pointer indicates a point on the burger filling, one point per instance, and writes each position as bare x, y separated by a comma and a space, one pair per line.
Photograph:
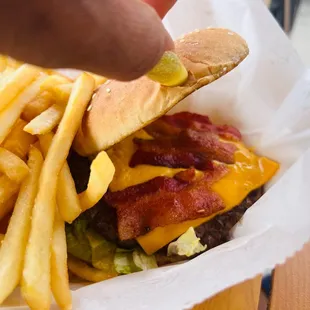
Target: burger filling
180, 186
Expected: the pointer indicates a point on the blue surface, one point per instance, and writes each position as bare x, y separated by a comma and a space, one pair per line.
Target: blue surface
277, 10
266, 284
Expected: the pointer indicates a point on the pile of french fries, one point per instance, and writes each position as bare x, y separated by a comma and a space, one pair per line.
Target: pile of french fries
40, 114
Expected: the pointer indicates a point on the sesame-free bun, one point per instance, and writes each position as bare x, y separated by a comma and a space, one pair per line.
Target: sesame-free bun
120, 108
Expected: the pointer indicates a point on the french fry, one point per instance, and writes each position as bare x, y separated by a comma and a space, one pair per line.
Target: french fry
4, 222
10, 115
67, 197
6, 207
36, 276
18, 141
46, 121
1, 239
7, 189
53, 80
37, 106
61, 73
12, 166
101, 174
8, 62
61, 92
19, 80
59, 86
14, 244
38, 146
99, 80
6, 75
12, 63
65, 89
82, 270
59, 268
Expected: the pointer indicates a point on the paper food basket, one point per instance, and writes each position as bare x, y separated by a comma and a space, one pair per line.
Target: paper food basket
268, 98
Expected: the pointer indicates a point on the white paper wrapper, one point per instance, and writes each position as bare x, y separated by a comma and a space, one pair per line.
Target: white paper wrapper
268, 98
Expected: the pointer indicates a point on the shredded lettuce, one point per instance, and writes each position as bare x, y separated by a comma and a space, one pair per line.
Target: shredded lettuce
78, 247
102, 251
79, 228
123, 262
187, 244
143, 261
129, 261
89, 246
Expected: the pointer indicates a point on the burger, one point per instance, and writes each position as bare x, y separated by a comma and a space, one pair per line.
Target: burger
181, 182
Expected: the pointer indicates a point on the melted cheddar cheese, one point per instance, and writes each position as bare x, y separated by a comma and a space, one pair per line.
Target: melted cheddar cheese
126, 176
248, 173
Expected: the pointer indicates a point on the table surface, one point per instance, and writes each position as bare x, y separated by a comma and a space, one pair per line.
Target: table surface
290, 289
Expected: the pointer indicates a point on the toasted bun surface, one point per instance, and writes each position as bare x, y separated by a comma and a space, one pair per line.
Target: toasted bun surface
120, 108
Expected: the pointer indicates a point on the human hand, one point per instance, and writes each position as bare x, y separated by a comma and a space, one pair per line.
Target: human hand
121, 39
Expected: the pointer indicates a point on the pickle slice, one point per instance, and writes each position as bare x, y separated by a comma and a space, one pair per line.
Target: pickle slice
169, 71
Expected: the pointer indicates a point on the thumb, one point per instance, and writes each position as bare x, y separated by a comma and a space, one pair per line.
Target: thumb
120, 39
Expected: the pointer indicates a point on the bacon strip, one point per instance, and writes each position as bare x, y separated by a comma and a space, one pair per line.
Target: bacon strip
171, 125
184, 140
134, 193
187, 149
163, 201
161, 129
172, 159
188, 120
